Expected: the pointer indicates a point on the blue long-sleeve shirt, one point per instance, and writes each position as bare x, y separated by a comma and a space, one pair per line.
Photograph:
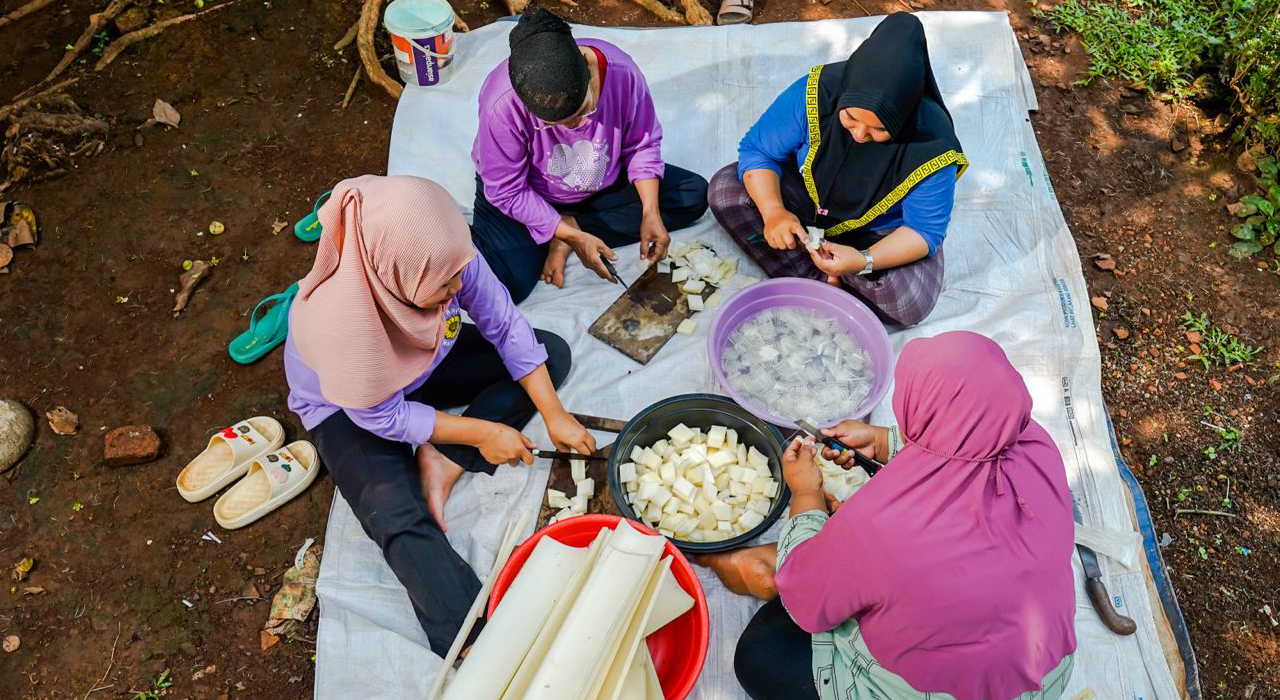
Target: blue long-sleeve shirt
782, 133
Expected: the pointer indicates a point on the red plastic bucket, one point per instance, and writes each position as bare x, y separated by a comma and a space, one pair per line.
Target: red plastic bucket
679, 650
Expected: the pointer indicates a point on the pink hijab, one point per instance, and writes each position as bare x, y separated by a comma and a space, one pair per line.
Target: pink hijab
956, 558
387, 241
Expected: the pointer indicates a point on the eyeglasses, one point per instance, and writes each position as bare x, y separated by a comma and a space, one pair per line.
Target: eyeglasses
549, 125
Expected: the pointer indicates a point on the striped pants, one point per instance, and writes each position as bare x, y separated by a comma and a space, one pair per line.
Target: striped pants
902, 295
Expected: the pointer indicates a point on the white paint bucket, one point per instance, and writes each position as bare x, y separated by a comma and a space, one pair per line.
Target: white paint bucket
422, 34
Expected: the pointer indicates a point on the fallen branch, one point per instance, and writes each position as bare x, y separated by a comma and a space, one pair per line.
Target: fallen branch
347, 38
351, 89
145, 33
24, 11
695, 13
663, 12
96, 23
110, 663
369, 13
1197, 511
65, 124
19, 104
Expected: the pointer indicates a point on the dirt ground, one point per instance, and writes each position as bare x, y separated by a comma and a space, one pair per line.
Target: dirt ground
129, 589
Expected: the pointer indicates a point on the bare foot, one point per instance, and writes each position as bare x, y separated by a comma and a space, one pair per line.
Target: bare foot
747, 571
553, 269
439, 474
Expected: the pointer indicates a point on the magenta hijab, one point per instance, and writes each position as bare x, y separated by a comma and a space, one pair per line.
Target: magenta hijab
956, 558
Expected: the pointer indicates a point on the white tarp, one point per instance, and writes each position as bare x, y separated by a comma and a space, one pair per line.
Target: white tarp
1012, 273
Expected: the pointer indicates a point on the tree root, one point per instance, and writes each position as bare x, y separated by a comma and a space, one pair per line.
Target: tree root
695, 13
351, 89
347, 38
369, 14
96, 23
24, 11
19, 104
662, 11
145, 33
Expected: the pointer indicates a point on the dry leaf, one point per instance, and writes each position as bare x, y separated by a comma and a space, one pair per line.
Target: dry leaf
22, 568
62, 421
187, 284
19, 226
11, 643
278, 226
266, 639
164, 113
32, 590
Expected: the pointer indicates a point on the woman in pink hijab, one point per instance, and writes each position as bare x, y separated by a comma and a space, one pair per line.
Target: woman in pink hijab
948, 576
377, 345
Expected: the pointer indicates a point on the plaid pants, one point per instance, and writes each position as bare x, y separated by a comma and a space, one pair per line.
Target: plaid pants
903, 295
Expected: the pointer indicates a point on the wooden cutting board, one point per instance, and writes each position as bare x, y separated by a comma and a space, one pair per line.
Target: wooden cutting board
561, 477
645, 317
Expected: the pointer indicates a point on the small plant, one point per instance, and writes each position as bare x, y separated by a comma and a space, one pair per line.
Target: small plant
1228, 435
1218, 346
100, 41
1183, 495
1261, 213
161, 682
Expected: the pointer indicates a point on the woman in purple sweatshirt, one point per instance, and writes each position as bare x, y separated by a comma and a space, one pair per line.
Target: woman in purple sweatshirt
568, 159
377, 348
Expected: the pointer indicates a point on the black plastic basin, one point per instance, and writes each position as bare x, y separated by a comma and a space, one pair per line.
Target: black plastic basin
700, 411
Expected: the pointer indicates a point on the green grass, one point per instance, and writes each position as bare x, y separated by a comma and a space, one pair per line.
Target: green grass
1217, 346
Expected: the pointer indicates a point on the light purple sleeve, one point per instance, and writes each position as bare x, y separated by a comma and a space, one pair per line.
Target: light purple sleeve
498, 320
642, 140
501, 156
397, 420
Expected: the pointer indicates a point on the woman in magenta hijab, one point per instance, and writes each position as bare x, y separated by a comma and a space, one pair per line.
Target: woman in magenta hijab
948, 576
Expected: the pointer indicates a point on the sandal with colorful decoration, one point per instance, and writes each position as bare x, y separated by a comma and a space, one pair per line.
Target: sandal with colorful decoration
273, 480
228, 455
308, 228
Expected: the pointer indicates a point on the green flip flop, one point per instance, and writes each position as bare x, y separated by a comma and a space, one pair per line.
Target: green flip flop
267, 332
308, 227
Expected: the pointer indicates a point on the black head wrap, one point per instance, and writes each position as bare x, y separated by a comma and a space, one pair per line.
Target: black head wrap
546, 67
890, 76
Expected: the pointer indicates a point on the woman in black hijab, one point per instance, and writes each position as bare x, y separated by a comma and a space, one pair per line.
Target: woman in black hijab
849, 177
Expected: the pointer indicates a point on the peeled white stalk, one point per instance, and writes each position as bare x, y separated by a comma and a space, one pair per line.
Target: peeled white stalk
532, 663
609, 683
506, 639
672, 602
610, 592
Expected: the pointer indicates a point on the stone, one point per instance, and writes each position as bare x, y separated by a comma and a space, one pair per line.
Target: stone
1099, 303
17, 428
131, 444
1121, 333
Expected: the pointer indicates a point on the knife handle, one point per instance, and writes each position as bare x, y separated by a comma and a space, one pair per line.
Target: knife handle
1102, 604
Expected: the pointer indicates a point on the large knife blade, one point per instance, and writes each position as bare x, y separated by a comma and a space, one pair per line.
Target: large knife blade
1097, 590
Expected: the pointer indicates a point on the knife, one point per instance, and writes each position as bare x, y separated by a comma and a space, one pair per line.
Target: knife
1097, 590
870, 465
612, 270
553, 454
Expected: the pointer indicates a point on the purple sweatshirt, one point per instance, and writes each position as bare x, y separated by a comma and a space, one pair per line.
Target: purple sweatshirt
486, 301
526, 170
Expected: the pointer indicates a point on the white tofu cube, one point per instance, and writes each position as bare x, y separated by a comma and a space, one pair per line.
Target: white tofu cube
750, 519
633, 486
695, 302
716, 435
684, 489
578, 468
681, 435
662, 447
557, 499
687, 327
685, 507
710, 491
679, 274
587, 486
693, 286
627, 472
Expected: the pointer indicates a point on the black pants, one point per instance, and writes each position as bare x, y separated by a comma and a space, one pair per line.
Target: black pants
379, 477
613, 214
774, 659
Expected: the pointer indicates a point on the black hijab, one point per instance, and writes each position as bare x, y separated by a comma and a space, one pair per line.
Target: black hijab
546, 67
852, 183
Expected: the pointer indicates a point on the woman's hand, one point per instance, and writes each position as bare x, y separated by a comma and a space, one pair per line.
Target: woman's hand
568, 435
870, 440
782, 230
505, 445
800, 469
836, 260
592, 251
654, 238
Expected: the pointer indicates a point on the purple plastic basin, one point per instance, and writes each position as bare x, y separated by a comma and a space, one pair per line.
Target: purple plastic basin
860, 321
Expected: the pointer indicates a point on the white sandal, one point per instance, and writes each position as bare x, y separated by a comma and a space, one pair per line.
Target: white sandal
227, 456
271, 482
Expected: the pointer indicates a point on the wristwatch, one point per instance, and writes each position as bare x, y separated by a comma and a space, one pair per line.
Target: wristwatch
871, 263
